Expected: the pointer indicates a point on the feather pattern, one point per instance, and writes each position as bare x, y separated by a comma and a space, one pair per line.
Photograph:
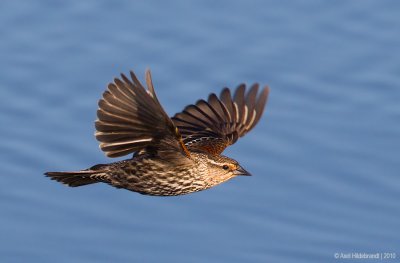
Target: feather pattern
130, 119
215, 124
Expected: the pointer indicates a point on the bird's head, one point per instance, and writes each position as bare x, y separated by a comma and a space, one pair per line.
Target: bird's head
222, 168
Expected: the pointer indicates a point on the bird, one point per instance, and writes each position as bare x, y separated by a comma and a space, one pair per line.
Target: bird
170, 156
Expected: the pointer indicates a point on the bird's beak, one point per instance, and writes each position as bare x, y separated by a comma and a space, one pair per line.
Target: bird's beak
241, 171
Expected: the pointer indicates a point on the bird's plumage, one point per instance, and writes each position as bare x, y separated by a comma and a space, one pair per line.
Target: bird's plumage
173, 156
130, 118
215, 124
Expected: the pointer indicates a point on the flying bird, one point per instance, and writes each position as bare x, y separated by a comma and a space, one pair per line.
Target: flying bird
171, 156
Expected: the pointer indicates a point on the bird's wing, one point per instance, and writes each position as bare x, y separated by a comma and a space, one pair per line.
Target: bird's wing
130, 118
215, 124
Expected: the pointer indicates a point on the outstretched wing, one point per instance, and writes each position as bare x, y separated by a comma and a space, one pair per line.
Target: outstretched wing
130, 118
215, 124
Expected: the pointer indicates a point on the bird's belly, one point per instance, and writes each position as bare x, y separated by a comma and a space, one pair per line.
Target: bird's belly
166, 184
150, 179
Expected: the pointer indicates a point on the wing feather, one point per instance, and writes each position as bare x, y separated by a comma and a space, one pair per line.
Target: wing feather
130, 119
214, 124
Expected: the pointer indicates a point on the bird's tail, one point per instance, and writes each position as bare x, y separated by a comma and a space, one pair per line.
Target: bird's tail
78, 178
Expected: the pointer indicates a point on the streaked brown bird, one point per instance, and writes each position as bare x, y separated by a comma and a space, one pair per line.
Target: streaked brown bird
172, 156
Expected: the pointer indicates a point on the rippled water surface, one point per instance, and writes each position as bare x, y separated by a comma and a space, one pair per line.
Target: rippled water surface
325, 156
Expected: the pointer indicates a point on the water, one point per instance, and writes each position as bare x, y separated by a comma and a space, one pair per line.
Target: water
324, 157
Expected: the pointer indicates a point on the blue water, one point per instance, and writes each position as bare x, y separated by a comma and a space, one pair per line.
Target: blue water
324, 158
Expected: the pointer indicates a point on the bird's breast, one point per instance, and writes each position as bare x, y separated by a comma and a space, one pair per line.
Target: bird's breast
157, 177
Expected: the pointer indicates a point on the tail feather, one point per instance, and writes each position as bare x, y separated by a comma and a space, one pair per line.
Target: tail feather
77, 178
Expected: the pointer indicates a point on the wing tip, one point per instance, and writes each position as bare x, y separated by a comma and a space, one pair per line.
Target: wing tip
266, 89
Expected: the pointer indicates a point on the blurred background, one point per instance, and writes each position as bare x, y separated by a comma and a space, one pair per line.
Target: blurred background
324, 157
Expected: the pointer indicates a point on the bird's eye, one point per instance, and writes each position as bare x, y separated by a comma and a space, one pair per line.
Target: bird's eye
225, 167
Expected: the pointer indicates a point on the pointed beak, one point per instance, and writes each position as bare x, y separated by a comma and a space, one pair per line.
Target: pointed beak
241, 171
